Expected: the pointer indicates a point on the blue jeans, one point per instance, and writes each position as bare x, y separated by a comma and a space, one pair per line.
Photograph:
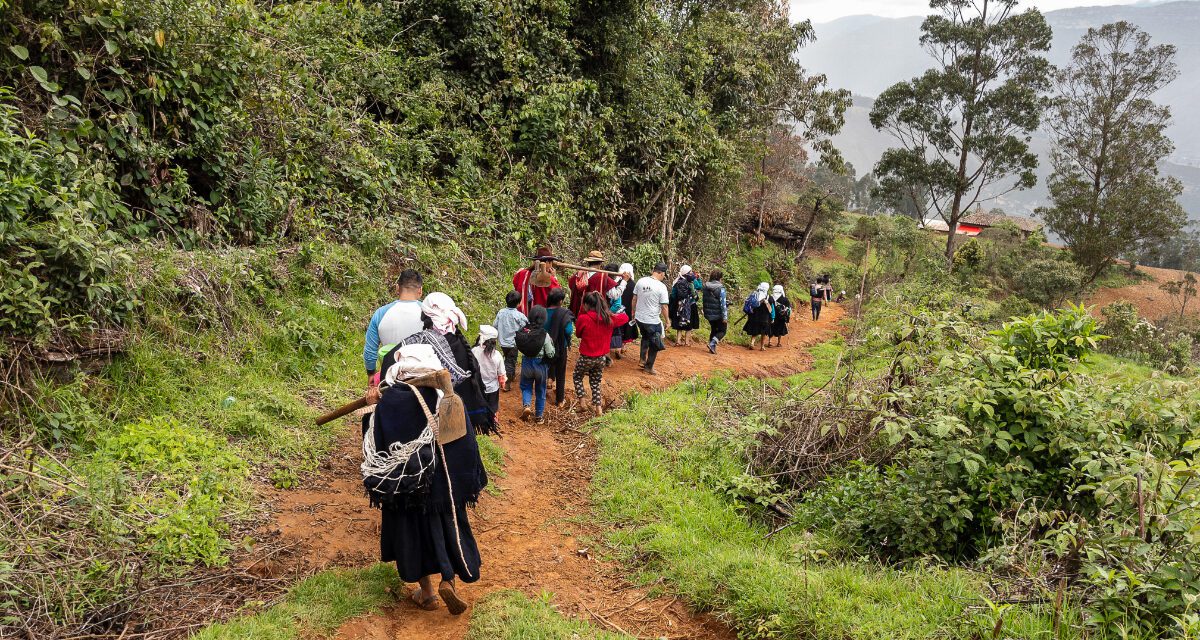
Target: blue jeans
533, 378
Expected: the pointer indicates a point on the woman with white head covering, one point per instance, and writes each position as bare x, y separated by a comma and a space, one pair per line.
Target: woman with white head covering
783, 316
444, 325
760, 316
424, 527
629, 332
685, 317
491, 365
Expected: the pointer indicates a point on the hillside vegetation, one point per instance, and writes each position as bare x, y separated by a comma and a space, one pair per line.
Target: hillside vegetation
201, 202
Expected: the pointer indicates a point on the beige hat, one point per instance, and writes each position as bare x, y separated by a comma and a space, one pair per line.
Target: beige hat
594, 257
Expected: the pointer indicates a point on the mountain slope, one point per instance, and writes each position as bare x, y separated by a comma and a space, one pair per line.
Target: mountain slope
867, 54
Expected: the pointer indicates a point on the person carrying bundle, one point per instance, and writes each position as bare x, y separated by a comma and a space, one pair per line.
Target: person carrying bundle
595, 328
684, 319
816, 292
421, 467
585, 282
536, 349
536, 281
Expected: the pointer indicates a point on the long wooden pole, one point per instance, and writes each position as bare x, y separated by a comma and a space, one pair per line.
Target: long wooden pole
566, 265
344, 410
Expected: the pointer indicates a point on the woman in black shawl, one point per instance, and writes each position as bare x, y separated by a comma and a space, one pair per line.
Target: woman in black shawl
684, 319
629, 332
431, 535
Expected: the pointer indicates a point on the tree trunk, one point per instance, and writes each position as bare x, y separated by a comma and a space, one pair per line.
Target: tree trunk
812, 221
762, 191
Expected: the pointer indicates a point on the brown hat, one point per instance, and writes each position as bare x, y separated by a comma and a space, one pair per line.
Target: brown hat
594, 257
544, 253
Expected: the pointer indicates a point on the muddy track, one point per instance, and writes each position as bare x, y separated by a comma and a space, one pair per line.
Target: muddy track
536, 535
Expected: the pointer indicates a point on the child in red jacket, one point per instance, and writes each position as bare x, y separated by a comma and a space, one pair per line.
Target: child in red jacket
594, 327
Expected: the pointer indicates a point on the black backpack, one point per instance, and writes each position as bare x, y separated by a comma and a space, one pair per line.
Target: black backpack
530, 341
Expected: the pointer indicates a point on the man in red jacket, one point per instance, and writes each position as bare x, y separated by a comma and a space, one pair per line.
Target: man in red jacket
594, 327
534, 286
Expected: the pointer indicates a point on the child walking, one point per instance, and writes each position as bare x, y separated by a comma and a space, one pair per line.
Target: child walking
491, 366
534, 364
595, 330
508, 322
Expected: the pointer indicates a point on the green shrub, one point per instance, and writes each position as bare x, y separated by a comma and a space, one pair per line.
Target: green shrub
1004, 449
193, 474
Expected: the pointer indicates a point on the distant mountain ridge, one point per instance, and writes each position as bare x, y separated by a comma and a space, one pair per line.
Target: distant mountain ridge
868, 54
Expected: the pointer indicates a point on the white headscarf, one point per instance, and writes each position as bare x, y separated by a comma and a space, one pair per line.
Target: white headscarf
487, 332
777, 292
626, 268
684, 270
443, 312
761, 292
413, 361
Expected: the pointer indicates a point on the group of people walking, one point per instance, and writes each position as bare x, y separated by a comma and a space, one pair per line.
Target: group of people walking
432, 392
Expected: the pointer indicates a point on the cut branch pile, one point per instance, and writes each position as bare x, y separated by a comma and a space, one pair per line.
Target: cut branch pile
812, 437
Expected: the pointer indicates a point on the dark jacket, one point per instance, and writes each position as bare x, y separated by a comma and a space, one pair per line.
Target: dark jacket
715, 307
556, 328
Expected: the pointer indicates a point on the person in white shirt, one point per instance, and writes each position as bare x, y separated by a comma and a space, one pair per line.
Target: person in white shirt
491, 365
650, 299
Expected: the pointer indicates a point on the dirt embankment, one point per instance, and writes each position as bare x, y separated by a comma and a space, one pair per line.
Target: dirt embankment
536, 535
1151, 301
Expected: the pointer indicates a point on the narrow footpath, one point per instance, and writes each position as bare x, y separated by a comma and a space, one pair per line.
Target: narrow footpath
536, 534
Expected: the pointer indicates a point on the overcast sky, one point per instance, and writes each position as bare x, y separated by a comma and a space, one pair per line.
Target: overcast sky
826, 10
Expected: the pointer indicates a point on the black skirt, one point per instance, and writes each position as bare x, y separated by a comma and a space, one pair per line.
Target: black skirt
758, 323
779, 327
425, 544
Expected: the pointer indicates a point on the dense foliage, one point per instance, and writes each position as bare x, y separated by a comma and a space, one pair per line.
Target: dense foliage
1002, 448
220, 121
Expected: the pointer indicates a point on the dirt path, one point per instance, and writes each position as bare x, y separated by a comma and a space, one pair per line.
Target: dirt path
535, 536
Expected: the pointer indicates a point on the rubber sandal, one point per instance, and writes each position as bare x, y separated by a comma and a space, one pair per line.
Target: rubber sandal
456, 605
428, 604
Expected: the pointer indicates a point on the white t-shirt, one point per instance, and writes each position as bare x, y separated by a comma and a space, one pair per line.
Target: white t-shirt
490, 368
651, 295
402, 320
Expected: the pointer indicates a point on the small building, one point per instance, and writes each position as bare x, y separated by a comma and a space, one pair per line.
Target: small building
979, 220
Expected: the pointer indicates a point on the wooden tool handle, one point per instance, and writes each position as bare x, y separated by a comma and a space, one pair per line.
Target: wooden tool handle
593, 269
344, 410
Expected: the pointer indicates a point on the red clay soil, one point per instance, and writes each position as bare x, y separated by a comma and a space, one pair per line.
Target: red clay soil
535, 536
1152, 302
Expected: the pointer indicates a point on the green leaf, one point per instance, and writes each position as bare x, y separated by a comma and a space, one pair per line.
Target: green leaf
39, 74
19, 51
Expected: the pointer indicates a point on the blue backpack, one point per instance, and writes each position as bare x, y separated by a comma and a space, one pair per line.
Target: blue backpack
748, 305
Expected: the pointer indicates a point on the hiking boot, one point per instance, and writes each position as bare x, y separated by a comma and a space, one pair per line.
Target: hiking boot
540, 420
526, 412
712, 347
650, 371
